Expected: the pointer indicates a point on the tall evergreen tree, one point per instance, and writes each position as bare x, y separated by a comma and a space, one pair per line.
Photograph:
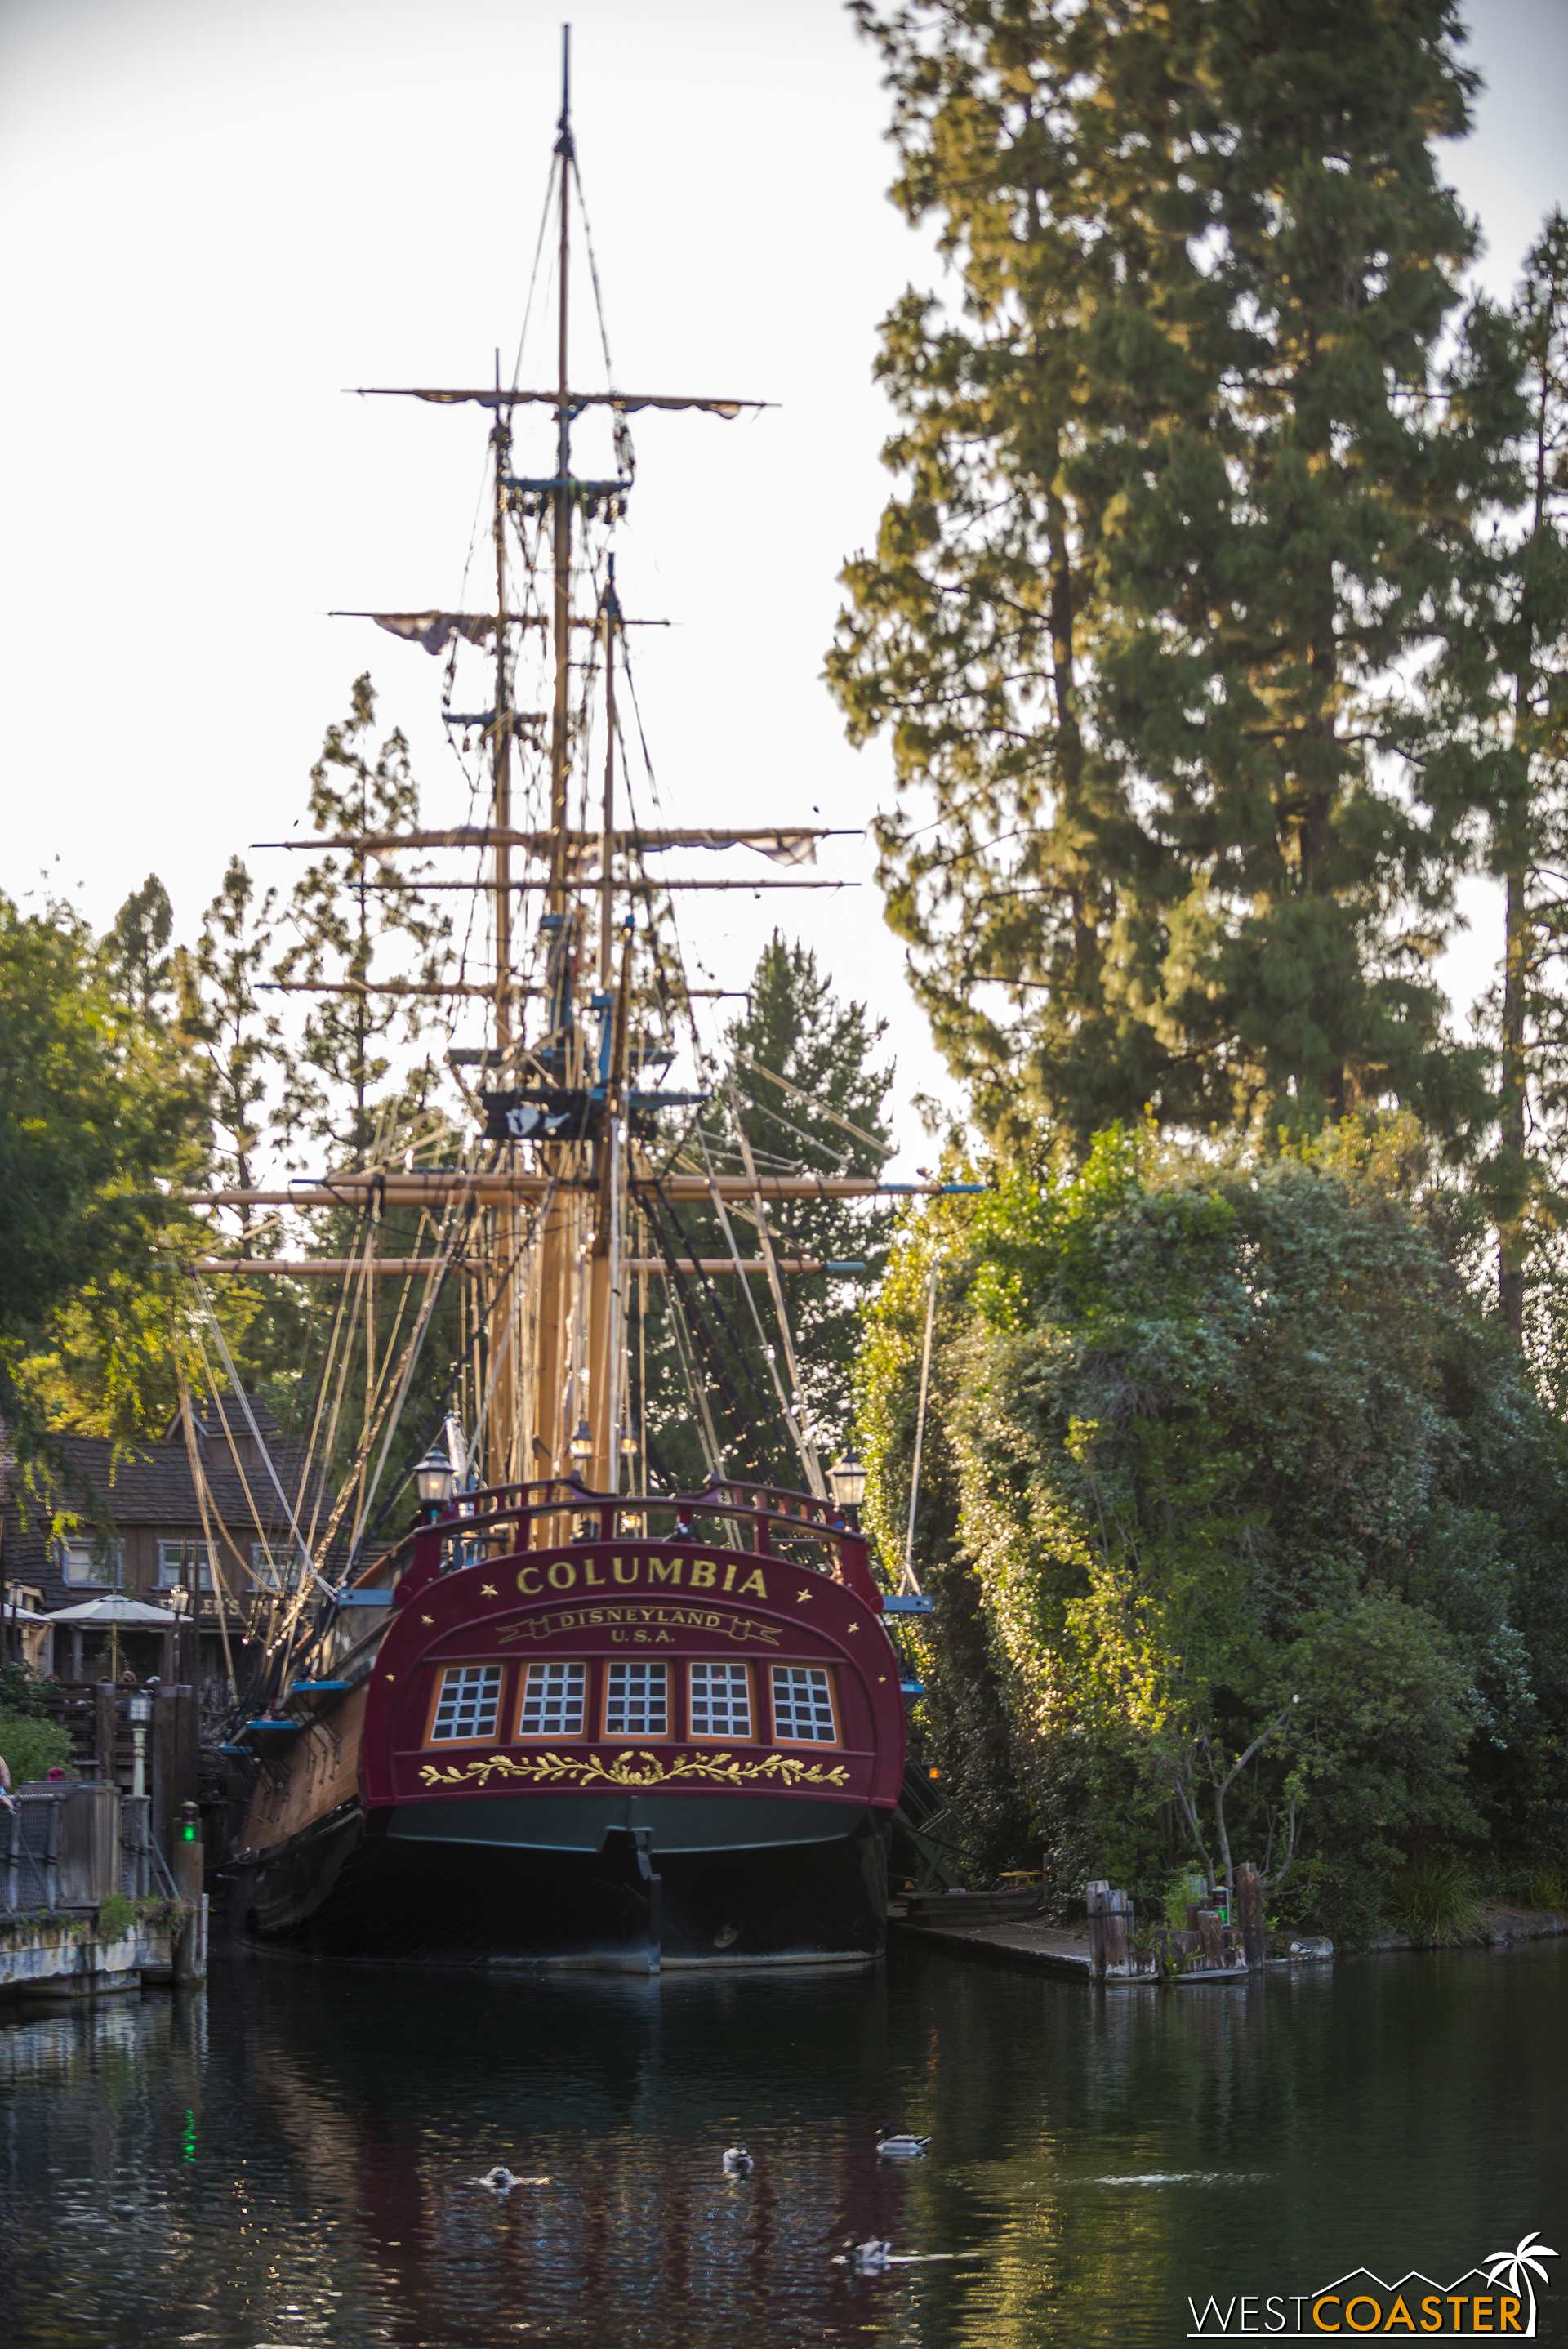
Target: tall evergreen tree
797, 1084
352, 904
1512, 675
1179, 530
221, 1015
135, 949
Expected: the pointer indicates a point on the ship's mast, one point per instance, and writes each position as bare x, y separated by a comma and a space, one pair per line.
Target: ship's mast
556, 1230
505, 1314
560, 1271
559, 737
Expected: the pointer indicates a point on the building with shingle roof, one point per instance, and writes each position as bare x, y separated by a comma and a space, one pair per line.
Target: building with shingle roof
221, 1535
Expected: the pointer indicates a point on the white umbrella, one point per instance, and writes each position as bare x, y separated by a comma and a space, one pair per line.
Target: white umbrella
112, 1611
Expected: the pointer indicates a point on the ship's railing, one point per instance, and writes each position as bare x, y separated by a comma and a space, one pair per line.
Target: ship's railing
559, 1511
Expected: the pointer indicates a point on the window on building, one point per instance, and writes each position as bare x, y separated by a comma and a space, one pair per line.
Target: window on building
274, 1566
720, 1700
803, 1705
468, 1703
187, 1563
637, 1703
79, 1564
553, 1700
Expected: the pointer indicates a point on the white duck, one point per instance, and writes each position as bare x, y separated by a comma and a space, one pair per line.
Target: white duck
737, 2162
501, 2179
897, 2144
875, 2252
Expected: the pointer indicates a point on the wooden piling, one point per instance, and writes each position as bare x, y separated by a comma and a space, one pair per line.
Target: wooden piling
176, 1762
1250, 1913
187, 1862
1097, 1895
1211, 1938
1118, 1932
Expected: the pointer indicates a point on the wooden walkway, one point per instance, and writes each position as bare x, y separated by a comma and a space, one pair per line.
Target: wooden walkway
1001, 1928
1029, 1942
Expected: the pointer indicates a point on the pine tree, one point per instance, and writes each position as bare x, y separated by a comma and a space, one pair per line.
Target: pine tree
1521, 654
829, 1112
135, 950
1178, 532
352, 904
221, 1015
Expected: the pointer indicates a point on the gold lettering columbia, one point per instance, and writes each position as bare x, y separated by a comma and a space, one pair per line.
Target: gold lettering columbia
626, 1573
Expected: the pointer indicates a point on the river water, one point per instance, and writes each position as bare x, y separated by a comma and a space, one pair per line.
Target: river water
284, 2162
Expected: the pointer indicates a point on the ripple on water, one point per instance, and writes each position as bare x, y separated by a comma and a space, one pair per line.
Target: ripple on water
288, 2162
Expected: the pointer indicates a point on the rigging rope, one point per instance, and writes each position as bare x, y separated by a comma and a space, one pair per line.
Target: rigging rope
813, 1468
222, 1345
198, 1478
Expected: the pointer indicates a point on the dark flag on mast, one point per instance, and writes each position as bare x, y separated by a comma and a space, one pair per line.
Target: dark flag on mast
543, 1113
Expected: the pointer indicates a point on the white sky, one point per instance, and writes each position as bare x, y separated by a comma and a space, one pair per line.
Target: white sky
219, 212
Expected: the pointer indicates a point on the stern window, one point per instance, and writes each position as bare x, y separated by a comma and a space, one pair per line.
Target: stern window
720, 1700
803, 1705
552, 1701
468, 1703
638, 1703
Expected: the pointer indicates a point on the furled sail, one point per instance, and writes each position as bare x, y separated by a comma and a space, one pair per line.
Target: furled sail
435, 630
623, 402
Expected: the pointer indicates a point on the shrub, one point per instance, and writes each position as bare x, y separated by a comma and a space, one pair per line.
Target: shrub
1549, 1883
1180, 1889
116, 1916
21, 1689
1437, 1902
32, 1747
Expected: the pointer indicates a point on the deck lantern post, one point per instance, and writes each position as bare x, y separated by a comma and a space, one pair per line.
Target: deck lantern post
138, 1712
435, 1479
847, 1476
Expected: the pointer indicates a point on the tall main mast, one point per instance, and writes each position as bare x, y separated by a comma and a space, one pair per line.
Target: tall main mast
560, 1355
555, 1236
559, 737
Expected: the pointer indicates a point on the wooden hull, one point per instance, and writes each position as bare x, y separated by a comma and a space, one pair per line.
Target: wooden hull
491, 1793
344, 1890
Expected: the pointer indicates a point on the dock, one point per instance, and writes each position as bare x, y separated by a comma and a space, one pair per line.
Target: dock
1006, 1928
89, 1907
1019, 1941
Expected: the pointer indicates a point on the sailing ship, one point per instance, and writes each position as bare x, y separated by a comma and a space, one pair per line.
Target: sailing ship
569, 1718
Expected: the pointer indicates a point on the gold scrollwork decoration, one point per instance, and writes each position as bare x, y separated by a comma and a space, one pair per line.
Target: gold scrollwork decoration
638, 1770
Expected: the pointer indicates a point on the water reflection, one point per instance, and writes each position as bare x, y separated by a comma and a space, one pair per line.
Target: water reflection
290, 2159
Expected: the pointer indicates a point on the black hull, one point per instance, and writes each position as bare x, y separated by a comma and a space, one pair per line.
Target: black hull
344, 1890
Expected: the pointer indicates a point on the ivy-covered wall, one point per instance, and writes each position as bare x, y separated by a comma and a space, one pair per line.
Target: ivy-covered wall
1245, 1526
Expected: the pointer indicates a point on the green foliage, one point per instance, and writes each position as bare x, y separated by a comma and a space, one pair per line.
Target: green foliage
1256, 1517
1548, 1886
221, 1019
32, 1747
116, 1916
100, 1113
962, 1725
1437, 1902
1177, 539
136, 948
1180, 1889
21, 1692
356, 902
1506, 676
